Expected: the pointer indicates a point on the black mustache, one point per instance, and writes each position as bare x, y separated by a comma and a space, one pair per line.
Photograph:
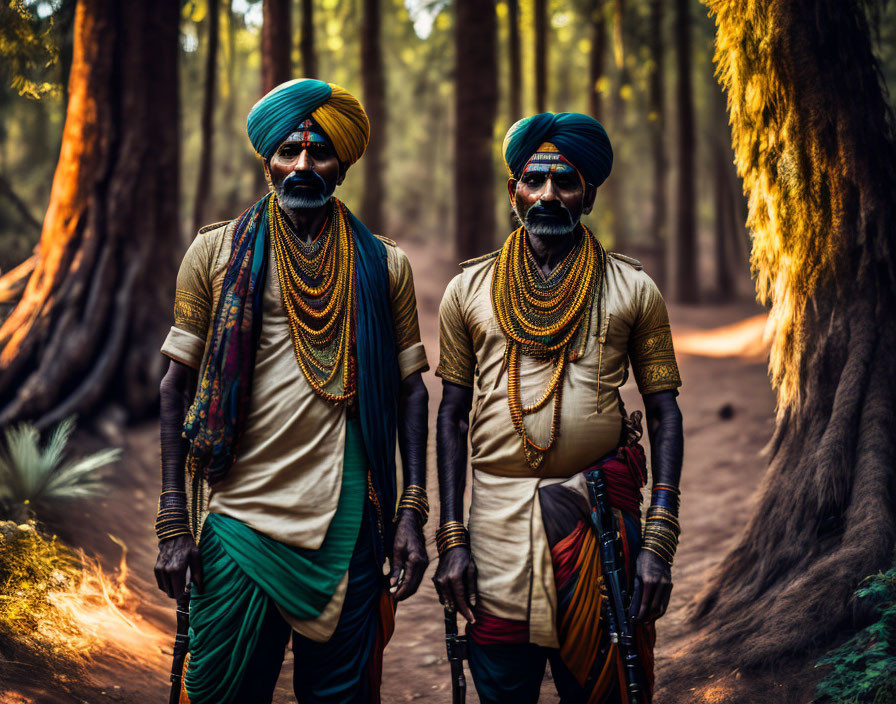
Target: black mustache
551, 211
303, 179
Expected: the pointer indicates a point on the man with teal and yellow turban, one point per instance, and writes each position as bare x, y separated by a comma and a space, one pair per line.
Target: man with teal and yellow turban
540, 334
295, 335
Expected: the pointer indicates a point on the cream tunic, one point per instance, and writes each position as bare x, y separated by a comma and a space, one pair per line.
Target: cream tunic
287, 476
508, 541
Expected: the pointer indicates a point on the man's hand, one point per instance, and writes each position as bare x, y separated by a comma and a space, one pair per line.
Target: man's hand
455, 581
653, 587
175, 555
409, 559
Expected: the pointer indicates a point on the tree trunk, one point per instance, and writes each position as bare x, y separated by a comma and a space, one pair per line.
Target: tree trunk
476, 104
614, 187
373, 84
516, 68
724, 219
596, 58
94, 312
813, 138
541, 55
207, 127
276, 44
657, 119
306, 45
686, 290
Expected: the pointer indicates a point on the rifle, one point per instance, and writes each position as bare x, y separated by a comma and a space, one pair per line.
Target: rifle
181, 645
620, 622
457, 651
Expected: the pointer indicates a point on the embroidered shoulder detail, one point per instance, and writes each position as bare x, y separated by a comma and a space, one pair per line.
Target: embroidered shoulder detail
386, 240
479, 260
213, 226
628, 260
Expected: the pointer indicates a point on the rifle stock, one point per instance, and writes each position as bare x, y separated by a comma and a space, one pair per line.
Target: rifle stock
621, 629
181, 646
457, 651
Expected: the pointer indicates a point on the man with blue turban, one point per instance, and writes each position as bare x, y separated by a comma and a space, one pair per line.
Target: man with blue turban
535, 340
296, 363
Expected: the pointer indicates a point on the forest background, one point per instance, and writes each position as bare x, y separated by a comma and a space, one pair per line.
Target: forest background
442, 81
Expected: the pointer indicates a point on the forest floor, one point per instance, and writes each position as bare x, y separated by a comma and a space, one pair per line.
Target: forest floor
728, 409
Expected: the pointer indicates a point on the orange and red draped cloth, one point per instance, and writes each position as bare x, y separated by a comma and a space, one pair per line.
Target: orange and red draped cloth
585, 646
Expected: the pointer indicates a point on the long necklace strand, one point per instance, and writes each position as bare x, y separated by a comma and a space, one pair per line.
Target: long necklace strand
540, 316
318, 294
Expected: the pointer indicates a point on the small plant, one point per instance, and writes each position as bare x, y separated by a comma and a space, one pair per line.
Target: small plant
864, 668
32, 476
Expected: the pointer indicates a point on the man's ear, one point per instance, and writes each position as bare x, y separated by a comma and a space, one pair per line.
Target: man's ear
511, 191
343, 170
588, 199
267, 174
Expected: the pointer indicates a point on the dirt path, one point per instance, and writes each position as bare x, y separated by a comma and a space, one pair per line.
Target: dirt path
728, 411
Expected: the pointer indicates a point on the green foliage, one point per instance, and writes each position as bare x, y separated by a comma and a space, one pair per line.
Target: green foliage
864, 668
28, 47
35, 476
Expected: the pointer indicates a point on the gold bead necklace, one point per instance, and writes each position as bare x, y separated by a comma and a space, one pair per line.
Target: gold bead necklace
318, 294
540, 316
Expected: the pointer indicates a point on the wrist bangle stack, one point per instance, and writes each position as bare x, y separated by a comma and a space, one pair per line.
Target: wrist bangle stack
172, 519
451, 535
414, 499
661, 533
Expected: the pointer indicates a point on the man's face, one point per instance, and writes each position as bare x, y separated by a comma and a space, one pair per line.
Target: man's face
305, 169
550, 195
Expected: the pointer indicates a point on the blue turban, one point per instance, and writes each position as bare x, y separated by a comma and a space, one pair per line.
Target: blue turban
339, 114
579, 138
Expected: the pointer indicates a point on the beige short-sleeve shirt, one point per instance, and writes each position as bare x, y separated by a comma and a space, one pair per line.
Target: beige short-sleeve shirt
628, 324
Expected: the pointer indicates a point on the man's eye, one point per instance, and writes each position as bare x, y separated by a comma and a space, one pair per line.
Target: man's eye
288, 151
565, 181
533, 179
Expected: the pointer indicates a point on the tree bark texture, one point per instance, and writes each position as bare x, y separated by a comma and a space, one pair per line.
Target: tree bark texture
476, 104
96, 308
657, 118
814, 142
515, 63
597, 57
373, 84
306, 44
614, 188
276, 44
541, 55
686, 288
207, 125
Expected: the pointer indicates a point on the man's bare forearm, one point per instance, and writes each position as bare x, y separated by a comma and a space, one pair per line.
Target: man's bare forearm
451, 444
413, 413
175, 397
666, 437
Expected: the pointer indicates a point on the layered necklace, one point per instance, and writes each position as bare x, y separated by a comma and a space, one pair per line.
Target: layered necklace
317, 289
540, 317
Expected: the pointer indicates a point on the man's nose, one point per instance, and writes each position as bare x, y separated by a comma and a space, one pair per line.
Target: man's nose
547, 192
304, 163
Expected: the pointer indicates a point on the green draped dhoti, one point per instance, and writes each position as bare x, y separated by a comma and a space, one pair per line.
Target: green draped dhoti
243, 569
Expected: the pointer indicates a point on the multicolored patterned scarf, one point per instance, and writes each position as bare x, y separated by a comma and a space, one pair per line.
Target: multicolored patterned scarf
218, 413
217, 416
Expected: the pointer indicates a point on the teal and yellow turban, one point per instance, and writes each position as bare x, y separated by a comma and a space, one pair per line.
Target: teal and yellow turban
579, 138
339, 114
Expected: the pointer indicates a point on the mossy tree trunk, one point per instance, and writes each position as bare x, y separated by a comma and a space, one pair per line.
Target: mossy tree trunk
95, 309
814, 142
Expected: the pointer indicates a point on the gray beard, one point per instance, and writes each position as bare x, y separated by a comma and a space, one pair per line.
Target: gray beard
543, 227
299, 200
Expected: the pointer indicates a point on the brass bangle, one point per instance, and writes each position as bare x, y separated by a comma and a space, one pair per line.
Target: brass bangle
414, 499
451, 535
667, 487
664, 558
